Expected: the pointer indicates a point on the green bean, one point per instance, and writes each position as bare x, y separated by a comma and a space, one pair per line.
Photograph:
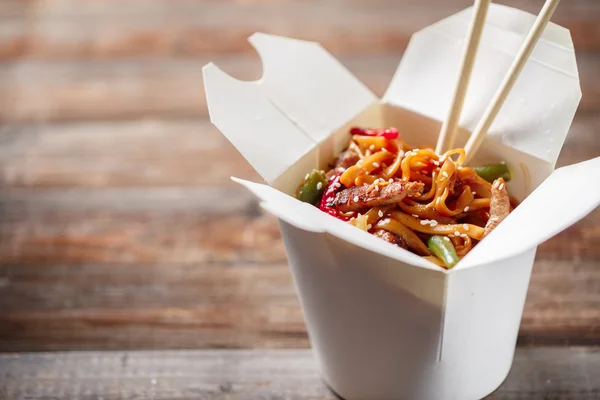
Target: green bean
443, 248
312, 188
491, 172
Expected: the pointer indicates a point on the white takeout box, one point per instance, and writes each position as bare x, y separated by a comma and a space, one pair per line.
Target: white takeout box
384, 323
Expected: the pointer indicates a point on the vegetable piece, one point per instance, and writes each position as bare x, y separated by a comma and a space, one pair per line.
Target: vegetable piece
443, 249
328, 197
414, 242
491, 172
312, 188
389, 133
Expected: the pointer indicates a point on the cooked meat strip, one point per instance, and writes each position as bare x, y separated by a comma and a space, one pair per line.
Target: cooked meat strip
359, 198
499, 205
391, 238
346, 159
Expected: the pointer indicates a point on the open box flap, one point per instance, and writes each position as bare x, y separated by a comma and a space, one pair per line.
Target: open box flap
253, 124
309, 85
536, 115
303, 95
520, 22
568, 195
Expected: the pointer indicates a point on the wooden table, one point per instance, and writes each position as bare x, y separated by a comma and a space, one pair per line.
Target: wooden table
120, 230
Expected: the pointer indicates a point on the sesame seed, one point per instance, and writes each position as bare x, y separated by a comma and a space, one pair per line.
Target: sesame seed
456, 233
415, 215
369, 226
319, 185
380, 213
445, 174
372, 147
466, 227
341, 169
433, 223
424, 222
376, 164
464, 235
437, 163
356, 200
501, 186
390, 180
466, 209
446, 238
474, 193
306, 177
384, 149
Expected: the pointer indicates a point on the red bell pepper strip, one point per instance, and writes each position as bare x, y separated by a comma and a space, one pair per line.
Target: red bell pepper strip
389, 133
331, 190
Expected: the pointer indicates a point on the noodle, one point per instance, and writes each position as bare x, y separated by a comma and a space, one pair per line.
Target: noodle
413, 194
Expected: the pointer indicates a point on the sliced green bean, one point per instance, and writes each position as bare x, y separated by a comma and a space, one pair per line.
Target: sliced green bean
491, 172
443, 249
312, 188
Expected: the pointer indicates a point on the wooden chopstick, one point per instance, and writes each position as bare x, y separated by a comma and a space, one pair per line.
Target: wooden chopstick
448, 132
478, 135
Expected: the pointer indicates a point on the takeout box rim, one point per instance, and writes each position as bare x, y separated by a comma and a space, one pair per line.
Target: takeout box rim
269, 207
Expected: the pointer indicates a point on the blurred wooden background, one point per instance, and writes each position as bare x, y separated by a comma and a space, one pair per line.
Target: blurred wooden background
119, 226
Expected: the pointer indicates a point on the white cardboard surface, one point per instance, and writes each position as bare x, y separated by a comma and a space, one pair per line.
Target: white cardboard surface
538, 112
385, 323
311, 87
256, 122
568, 195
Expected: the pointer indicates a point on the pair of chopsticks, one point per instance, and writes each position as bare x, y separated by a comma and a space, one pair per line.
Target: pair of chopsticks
448, 131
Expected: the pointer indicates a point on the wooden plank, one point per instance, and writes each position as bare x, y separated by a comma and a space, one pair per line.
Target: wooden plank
45, 91
225, 303
129, 306
95, 29
160, 153
132, 153
168, 225
537, 373
171, 225
82, 90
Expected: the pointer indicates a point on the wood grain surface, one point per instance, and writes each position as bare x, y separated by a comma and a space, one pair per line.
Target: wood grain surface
119, 225
537, 374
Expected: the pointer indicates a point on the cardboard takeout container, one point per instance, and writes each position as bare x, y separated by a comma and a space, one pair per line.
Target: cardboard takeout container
384, 323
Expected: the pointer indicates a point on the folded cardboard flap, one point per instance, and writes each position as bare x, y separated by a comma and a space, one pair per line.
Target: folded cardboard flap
536, 116
303, 95
519, 22
301, 215
309, 218
309, 85
567, 196
546, 51
243, 113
